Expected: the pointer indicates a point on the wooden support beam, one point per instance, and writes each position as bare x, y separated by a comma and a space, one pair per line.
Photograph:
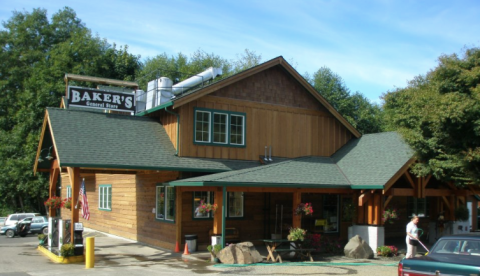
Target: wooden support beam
297, 199
427, 180
452, 207
217, 220
74, 174
364, 198
387, 201
371, 214
409, 178
178, 217
438, 192
446, 202
377, 209
400, 192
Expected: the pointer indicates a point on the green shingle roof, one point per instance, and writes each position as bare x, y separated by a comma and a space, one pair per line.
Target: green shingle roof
112, 141
373, 159
304, 172
367, 163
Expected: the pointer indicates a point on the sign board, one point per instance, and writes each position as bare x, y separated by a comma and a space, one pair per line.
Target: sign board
101, 99
78, 226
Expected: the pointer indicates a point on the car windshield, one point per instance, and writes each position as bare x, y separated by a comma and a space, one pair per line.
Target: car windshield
457, 246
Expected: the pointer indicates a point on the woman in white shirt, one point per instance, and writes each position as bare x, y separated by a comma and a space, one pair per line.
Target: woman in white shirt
412, 237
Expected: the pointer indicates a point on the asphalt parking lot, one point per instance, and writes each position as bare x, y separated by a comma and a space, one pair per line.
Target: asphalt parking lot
113, 255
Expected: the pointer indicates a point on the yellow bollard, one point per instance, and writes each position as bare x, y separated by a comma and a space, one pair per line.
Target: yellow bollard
90, 253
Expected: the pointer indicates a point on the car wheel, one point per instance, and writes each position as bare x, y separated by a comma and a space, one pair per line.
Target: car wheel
45, 231
10, 233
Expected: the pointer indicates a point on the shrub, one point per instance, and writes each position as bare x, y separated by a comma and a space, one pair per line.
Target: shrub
67, 250
387, 251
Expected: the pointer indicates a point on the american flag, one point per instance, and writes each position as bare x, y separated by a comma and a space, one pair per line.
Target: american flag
83, 195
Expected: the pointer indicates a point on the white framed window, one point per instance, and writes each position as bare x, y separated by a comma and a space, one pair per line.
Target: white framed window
216, 127
200, 198
237, 129
69, 191
220, 128
165, 203
202, 126
105, 197
235, 204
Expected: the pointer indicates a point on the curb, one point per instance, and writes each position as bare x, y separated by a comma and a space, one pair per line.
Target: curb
59, 259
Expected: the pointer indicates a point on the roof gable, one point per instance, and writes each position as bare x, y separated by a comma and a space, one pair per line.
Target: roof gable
282, 63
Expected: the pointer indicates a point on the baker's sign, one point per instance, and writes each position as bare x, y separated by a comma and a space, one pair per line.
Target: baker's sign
100, 99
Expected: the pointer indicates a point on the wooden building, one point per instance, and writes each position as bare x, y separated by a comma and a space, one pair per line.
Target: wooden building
257, 144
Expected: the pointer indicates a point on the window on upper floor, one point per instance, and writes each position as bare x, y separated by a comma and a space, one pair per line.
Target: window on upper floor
218, 127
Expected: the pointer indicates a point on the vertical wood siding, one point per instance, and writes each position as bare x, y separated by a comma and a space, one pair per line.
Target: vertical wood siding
279, 113
133, 198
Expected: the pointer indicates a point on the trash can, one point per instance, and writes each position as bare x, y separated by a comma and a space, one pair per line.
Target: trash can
191, 241
216, 240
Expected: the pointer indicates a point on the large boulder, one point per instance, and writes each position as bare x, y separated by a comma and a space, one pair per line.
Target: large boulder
357, 248
240, 253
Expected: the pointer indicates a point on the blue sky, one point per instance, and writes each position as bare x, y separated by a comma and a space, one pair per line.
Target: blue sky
375, 46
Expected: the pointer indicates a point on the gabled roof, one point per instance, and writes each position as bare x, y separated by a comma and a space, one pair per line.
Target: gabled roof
369, 162
111, 141
195, 94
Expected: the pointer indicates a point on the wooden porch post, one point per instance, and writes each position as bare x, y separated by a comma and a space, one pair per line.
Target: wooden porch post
474, 213
54, 172
217, 220
297, 199
224, 210
178, 216
74, 174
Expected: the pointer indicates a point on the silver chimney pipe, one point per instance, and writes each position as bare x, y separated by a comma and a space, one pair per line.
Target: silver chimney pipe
270, 159
184, 85
265, 157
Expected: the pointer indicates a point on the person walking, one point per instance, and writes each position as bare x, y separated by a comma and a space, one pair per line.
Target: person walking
412, 237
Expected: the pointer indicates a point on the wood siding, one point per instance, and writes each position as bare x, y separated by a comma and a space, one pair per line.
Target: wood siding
292, 132
133, 198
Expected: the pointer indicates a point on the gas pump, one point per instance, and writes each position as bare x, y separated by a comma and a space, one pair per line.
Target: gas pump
78, 238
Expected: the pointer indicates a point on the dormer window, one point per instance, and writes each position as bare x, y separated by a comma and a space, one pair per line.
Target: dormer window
219, 127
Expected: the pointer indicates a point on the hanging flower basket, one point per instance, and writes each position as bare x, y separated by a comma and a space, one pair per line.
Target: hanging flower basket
54, 202
67, 203
207, 207
304, 209
390, 216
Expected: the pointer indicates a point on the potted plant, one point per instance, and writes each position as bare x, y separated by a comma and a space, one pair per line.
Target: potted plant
296, 234
304, 209
41, 239
214, 251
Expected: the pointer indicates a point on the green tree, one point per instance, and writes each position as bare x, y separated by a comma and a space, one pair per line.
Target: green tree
365, 116
439, 116
36, 53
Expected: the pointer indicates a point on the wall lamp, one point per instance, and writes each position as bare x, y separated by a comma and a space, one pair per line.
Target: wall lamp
49, 156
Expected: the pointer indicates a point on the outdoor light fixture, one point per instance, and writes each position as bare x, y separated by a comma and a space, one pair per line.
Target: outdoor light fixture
49, 157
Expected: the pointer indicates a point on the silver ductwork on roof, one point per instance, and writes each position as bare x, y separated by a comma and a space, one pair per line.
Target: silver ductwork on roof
161, 90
